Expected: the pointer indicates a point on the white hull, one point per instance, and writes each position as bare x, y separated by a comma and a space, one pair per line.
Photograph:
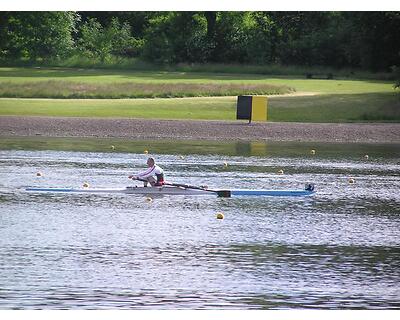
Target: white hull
167, 190
172, 190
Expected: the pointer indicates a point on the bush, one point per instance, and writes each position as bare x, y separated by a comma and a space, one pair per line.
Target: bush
32, 36
101, 42
396, 72
157, 46
177, 37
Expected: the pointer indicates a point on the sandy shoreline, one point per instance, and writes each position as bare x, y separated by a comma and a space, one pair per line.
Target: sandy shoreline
202, 130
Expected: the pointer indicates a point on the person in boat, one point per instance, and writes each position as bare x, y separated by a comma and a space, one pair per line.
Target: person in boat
153, 175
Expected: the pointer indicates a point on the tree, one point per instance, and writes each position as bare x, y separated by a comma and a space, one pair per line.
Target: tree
101, 42
375, 39
301, 36
35, 35
367, 40
157, 47
4, 39
230, 38
176, 37
137, 20
263, 38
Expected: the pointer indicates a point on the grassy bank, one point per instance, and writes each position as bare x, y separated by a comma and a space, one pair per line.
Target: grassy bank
338, 100
36, 76
365, 107
173, 108
319, 108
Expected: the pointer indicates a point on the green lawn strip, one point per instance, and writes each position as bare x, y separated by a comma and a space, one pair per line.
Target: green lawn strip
318, 108
173, 108
22, 76
375, 107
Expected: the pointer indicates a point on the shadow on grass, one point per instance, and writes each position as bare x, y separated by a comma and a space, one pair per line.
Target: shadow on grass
62, 73
168, 74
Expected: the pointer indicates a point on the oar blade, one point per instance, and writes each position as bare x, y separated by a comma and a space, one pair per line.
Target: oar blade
223, 193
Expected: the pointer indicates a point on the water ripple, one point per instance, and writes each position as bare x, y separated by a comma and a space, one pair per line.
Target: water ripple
336, 250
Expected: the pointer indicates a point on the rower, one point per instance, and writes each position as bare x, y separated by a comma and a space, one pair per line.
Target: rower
153, 175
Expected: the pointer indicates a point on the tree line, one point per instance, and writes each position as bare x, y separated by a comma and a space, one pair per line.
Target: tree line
365, 40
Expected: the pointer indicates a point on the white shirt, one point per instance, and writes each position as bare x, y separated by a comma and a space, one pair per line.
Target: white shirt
152, 171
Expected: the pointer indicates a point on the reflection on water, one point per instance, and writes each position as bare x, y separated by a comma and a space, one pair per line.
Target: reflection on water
338, 249
201, 147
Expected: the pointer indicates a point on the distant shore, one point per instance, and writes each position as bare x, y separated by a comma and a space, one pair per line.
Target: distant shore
198, 130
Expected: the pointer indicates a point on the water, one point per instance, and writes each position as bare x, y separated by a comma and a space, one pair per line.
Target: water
339, 249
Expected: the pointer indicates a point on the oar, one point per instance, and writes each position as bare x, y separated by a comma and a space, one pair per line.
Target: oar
220, 193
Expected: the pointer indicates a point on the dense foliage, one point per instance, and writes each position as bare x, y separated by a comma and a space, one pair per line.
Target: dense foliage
366, 40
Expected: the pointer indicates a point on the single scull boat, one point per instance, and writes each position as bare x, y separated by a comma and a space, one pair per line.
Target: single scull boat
182, 190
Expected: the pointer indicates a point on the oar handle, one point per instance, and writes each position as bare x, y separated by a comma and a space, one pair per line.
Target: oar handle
220, 193
138, 179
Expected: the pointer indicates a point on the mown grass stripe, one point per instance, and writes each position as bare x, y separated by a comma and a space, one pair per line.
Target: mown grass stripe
67, 89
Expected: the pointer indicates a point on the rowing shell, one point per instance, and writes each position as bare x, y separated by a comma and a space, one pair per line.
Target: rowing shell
170, 190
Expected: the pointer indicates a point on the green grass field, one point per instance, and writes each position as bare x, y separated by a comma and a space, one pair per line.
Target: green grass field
321, 108
111, 77
338, 100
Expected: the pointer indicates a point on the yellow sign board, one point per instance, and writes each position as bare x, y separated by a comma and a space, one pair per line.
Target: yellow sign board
252, 108
259, 108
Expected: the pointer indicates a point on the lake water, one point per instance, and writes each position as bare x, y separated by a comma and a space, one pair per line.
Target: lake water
339, 249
